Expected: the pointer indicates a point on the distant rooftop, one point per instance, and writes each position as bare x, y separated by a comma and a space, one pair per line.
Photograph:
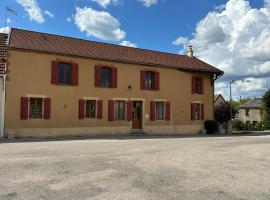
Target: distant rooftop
254, 103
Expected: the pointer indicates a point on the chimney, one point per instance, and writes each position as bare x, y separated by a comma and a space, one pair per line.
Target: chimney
190, 52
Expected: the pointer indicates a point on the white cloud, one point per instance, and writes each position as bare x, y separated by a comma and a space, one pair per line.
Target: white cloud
180, 41
148, 3
69, 19
8, 20
49, 13
128, 44
99, 24
236, 39
33, 10
105, 3
5, 30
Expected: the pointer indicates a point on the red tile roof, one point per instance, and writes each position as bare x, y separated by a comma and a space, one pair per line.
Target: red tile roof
43, 42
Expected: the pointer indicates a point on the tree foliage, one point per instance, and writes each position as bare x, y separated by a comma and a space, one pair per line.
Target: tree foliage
223, 111
266, 109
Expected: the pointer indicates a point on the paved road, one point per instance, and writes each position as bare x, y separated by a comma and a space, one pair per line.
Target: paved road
137, 169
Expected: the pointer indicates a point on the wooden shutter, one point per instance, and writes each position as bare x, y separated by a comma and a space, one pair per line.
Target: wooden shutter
81, 108
97, 75
129, 110
152, 110
193, 85
142, 78
114, 77
168, 111
47, 108
74, 74
111, 110
192, 111
202, 111
55, 72
99, 109
24, 107
156, 80
202, 86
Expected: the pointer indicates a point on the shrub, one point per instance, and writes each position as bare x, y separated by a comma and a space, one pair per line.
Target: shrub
248, 126
211, 126
238, 125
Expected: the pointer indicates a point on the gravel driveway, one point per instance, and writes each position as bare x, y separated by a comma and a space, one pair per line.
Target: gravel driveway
137, 169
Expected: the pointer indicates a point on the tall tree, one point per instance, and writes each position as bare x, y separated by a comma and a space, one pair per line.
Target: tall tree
266, 109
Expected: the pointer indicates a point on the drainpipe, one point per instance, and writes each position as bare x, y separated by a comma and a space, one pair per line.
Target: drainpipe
3, 106
171, 120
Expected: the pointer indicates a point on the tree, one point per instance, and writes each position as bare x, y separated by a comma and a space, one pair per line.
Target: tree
223, 112
266, 109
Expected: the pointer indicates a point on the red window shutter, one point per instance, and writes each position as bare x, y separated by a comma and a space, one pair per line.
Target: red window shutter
193, 85
99, 109
142, 78
202, 86
97, 75
81, 108
114, 77
47, 108
55, 72
156, 81
152, 110
74, 74
111, 110
129, 110
24, 108
192, 111
168, 111
202, 111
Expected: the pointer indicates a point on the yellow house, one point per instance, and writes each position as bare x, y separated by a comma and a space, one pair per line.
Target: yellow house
59, 86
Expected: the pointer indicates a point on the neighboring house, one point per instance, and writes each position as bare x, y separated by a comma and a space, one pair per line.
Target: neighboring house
66, 86
218, 99
251, 111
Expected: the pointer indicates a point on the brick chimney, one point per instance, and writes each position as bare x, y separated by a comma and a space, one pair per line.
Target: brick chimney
190, 52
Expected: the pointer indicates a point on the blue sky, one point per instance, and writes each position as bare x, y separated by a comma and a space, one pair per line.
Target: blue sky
211, 26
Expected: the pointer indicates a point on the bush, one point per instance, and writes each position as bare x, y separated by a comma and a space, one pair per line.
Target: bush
259, 126
238, 125
211, 126
248, 126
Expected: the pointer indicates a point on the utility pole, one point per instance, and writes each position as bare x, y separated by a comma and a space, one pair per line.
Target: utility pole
230, 124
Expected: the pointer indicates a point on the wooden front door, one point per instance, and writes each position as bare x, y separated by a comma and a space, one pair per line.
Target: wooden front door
137, 114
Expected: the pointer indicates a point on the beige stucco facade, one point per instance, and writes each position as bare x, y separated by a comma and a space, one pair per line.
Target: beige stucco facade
30, 75
254, 115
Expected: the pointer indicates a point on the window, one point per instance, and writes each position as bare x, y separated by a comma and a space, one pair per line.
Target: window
247, 112
65, 73
197, 111
197, 85
105, 77
35, 108
160, 110
90, 109
120, 110
149, 80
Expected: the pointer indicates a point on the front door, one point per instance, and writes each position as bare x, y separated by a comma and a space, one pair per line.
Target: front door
137, 115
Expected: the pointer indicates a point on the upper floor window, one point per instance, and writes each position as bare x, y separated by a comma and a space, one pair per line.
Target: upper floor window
247, 112
197, 85
105, 76
64, 73
149, 80
35, 108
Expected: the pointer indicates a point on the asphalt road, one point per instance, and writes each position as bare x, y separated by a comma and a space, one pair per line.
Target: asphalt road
129, 168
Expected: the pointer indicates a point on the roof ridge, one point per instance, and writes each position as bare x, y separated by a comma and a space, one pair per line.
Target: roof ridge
118, 45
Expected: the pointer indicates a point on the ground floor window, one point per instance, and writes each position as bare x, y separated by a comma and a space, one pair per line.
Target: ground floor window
90, 109
120, 110
35, 108
197, 111
160, 110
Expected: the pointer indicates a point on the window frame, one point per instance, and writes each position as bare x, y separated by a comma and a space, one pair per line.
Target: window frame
198, 85
146, 83
247, 112
116, 117
199, 109
108, 76
29, 108
85, 109
65, 64
156, 110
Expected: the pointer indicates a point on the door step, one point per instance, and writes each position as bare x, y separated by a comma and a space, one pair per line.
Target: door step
137, 132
